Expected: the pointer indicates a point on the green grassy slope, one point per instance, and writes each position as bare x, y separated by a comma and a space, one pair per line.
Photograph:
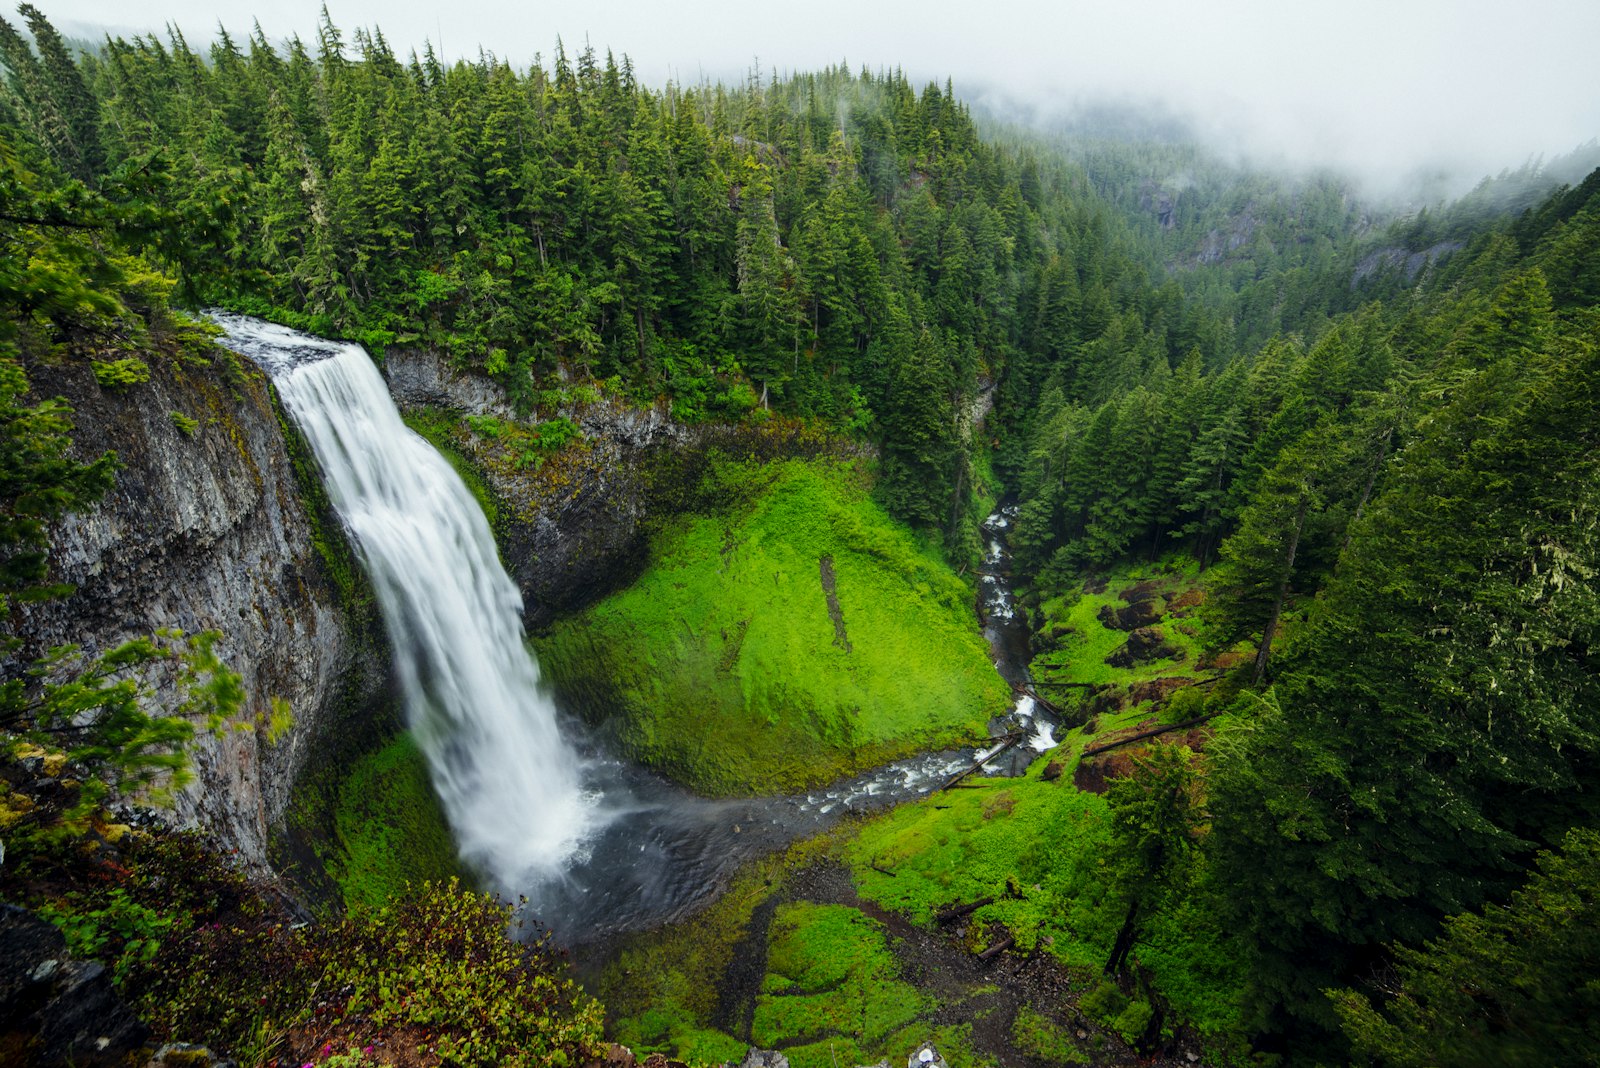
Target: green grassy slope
724, 667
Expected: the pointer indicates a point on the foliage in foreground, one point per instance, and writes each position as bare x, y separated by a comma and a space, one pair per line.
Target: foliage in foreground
429, 977
1517, 984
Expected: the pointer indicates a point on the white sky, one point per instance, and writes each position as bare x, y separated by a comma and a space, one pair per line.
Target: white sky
1379, 87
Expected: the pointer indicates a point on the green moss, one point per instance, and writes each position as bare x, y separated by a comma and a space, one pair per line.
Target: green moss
727, 667
390, 827
1038, 847
1039, 1037
833, 988
1082, 643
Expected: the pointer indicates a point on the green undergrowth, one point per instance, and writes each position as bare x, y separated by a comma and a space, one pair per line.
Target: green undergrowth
827, 987
1078, 643
390, 828
1042, 850
724, 666
834, 994
1039, 848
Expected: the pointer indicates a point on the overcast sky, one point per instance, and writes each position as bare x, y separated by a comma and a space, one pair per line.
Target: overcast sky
1379, 87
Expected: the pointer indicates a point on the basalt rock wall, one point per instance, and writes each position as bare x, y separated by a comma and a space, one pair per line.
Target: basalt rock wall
209, 529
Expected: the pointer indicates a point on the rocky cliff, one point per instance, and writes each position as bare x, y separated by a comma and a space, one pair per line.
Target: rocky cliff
206, 528
573, 526
573, 530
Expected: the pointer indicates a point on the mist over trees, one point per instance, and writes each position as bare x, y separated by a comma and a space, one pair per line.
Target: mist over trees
1376, 437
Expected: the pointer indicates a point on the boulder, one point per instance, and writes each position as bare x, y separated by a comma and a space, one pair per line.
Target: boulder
764, 1058
64, 1011
1144, 644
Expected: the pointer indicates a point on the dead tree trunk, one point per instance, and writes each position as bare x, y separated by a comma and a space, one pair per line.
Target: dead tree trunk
1124, 943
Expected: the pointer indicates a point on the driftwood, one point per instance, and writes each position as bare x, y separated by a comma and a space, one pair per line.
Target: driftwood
1038, 699
997, 949
1142, 735
955, 913
1009, 743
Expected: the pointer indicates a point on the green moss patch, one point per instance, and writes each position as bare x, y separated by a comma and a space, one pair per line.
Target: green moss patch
1038, 848
723, 666
390, 827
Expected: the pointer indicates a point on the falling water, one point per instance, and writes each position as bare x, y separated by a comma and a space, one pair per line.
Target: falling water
597, 845
511, 786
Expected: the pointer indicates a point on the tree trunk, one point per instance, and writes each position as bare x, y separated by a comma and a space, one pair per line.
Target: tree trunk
1124, 943
1265, 652
1366, 493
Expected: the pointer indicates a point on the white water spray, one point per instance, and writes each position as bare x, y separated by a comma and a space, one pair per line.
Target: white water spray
511, 786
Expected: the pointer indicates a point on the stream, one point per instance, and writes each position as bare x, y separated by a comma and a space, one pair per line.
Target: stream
537, 806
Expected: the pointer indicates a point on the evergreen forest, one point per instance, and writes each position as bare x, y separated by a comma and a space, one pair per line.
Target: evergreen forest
1354, 450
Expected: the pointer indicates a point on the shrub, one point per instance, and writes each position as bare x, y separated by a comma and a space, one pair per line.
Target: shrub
120, 374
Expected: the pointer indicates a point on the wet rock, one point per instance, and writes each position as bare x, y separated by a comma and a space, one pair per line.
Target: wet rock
184, 1055
1141, 591
65, 1011
1144, 644
1131, 617
764, 1058
926, 1056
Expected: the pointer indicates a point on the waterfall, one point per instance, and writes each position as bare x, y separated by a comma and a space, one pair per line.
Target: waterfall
511, 786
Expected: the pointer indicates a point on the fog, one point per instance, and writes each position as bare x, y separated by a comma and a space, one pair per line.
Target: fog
1382, 89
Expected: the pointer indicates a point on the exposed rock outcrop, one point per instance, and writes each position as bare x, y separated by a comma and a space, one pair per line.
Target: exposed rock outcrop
57, 1010
206, 528
1144, 644
572, 527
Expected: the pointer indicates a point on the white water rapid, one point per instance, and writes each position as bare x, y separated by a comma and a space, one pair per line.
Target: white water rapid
511, 785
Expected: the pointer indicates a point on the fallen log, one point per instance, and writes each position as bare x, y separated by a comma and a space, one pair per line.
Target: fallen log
997, 949
955, 913
1142, 735
1011, 741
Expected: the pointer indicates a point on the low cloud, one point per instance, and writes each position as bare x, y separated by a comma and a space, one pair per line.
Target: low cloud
1384, 89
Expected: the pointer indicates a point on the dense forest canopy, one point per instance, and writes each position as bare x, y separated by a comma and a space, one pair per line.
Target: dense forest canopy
1376, 437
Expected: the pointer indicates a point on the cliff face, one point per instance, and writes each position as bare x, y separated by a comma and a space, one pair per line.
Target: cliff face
200, 532
572, 530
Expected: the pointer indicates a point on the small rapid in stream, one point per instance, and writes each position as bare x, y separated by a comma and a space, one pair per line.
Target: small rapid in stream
596, 845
